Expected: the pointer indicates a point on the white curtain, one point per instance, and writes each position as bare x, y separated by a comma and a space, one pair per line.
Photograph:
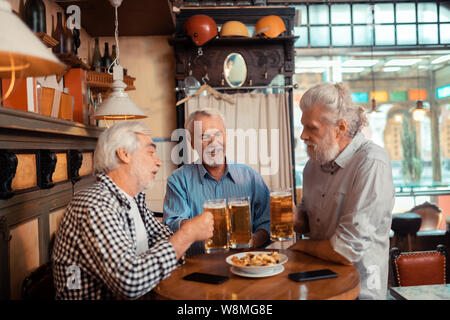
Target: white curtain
258, 132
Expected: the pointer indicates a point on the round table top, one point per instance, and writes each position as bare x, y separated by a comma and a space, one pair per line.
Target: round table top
278, 287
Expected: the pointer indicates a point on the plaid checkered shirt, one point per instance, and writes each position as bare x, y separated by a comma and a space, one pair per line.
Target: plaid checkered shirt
94, 256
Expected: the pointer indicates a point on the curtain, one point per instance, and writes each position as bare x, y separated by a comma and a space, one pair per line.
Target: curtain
258, 133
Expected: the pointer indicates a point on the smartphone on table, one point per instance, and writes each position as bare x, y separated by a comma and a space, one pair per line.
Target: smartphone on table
312, 275
206, 277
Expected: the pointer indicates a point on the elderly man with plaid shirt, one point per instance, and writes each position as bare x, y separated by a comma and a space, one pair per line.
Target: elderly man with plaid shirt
109, 244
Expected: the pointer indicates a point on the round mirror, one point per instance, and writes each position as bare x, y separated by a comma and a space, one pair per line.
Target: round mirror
235, 70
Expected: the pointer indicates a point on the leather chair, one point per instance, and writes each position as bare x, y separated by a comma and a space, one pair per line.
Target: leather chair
39, 284
419, 268
405, 225
431, 215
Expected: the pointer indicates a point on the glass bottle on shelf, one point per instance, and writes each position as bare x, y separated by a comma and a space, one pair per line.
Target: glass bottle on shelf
96, 64
69, 45
34, 16
64, 37
106, 59
58, 34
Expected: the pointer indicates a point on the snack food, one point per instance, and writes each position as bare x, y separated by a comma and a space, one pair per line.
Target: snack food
257, 260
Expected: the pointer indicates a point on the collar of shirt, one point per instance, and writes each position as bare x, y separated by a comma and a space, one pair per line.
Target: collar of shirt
347, 154
229, 171
111, 185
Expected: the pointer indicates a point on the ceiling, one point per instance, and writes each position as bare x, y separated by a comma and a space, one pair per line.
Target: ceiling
136, 17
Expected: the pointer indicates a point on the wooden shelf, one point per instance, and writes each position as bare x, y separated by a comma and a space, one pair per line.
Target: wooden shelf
73, 61
100, 81
29, 130
46, 39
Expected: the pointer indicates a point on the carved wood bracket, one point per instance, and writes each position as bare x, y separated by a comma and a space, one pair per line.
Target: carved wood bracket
8, 166
46, 165
75, 161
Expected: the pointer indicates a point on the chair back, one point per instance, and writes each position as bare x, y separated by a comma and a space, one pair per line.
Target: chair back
419, 268
39, 284
431, 215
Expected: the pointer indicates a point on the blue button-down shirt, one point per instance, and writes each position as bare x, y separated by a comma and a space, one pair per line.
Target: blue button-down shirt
191, 184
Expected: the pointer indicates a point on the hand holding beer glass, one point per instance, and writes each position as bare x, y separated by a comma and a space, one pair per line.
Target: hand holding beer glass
219, 240
281, 216
240, 222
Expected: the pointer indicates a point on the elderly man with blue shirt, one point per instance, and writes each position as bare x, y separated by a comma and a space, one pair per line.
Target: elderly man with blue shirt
348, 192
214, 178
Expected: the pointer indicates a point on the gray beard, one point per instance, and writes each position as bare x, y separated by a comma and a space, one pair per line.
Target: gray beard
324, 152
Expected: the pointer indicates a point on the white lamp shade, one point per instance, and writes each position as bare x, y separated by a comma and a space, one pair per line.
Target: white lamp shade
31, 58
118, 105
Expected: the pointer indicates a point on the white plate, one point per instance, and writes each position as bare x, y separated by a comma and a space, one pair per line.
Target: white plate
277, 270
256, 270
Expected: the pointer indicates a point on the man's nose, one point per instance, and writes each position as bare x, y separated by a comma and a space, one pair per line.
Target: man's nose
304, 136
158, 162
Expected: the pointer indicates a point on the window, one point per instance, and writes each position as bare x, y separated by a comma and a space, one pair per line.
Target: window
381, 24
387, 126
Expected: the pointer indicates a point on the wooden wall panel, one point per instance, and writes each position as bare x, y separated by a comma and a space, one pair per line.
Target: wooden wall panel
26, 172
54, 220
24, 254
87, 167
60, 173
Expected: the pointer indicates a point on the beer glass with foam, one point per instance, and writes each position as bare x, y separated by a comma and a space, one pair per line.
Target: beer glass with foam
281, 216
240, 222
219, 240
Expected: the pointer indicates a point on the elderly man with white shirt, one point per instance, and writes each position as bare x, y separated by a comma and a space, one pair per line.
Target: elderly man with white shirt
348, 191
109, 244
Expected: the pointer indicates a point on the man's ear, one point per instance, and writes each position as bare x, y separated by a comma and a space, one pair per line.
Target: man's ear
123, 155
342, 127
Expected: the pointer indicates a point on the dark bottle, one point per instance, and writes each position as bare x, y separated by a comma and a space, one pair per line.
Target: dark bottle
64, 37
114, 53
34, 16
96, 64
106, 60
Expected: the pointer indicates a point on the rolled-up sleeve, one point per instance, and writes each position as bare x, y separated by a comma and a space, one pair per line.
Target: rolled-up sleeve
368, 206
176, 207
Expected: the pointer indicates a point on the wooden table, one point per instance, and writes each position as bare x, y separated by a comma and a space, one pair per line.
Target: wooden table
428, 292
279, 287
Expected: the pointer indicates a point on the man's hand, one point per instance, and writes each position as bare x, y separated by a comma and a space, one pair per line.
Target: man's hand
301, 223
198, 228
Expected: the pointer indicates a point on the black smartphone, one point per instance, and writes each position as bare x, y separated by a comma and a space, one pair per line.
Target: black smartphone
206, 277
312, 275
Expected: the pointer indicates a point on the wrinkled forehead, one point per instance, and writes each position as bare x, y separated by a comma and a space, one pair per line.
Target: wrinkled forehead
210, 123
146, 141
314, 115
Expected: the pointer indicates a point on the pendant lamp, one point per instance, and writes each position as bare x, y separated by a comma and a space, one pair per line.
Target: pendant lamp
22, 54
118, 105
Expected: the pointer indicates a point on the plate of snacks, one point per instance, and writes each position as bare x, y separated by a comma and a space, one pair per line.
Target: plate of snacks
257, 262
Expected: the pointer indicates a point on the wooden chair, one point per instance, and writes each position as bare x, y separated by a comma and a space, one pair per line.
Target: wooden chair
431, 215
420, 267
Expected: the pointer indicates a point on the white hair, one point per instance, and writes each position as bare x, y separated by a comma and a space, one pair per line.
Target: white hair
120, 135
189, 124
338, 102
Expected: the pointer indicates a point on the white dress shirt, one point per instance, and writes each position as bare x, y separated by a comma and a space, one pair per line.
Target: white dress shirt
351, 205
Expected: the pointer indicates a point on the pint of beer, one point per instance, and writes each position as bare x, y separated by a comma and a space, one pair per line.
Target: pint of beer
219, 240
281, 216
240, 222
